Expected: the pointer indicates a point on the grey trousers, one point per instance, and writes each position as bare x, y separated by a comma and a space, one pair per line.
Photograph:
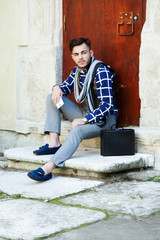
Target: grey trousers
71, 111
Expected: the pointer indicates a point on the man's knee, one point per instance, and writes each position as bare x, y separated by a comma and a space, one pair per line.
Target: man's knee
75, 134
48, 98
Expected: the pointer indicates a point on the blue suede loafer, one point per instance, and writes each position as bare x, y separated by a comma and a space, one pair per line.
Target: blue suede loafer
38, 175
44, 150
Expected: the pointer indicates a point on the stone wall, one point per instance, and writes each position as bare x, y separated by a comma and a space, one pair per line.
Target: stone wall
149, 131
40, 62
13, 31
150, 68
30, 60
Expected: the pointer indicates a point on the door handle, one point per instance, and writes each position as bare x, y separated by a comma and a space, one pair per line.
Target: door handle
125, 34
125, 18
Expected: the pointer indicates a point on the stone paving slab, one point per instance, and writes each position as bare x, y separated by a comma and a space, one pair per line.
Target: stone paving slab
135, 198
115, 229
85, 159
16, 182
140, 175
27, 219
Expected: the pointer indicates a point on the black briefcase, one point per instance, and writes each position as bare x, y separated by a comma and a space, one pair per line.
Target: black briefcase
117, 142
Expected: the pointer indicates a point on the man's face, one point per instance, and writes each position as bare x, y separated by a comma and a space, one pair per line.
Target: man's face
81, 55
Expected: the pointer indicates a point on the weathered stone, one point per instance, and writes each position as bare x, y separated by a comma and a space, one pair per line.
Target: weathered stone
134, 198
28, 219
3, 164
149, 68
84, 160
116, 228
13, 182
140, 175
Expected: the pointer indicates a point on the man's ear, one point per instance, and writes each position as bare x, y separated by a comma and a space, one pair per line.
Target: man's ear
72, 57
91, 51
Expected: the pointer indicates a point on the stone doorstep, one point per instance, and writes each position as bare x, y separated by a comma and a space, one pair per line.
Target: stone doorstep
86, 162
3, 162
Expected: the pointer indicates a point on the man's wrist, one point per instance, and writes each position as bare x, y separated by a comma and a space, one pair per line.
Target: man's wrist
85, 120
55, 86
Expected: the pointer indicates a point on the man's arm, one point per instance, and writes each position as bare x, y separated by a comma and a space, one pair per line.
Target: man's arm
63, 89
67, 85
79, 121
56, 94
104, 81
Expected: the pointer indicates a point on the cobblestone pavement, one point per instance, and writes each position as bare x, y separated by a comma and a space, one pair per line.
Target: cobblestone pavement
124, 206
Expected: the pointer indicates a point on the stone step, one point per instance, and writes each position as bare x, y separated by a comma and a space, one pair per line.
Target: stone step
86, 162
34, 132
3, 162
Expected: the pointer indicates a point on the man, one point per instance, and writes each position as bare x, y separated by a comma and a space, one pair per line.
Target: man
86, 121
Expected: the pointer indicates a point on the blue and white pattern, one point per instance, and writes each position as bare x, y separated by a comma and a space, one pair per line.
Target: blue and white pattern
104, 80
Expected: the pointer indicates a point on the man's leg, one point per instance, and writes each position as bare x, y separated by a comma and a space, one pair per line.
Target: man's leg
73, 140
53, 122
70, 110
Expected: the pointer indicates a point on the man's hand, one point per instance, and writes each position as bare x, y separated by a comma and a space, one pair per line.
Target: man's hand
56, 94
77, 121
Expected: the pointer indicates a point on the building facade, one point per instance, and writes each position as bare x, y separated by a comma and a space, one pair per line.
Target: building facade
31, 59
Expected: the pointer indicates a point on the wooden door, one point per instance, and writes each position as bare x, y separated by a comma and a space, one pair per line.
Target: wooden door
114, 28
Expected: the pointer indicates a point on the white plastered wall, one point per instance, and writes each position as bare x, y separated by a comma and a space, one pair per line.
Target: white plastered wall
12, 33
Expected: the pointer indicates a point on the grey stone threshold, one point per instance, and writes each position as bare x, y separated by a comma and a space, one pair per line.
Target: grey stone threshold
86, 162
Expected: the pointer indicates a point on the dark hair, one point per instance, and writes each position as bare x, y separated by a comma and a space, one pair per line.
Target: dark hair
79, 41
